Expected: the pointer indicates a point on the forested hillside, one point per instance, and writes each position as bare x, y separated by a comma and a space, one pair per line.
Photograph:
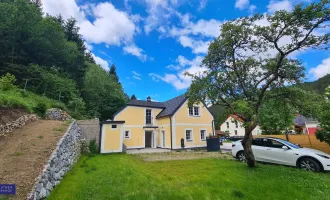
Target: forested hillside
317, 86
48, 57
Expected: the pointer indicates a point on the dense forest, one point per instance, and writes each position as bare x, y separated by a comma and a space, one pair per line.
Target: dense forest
48, 56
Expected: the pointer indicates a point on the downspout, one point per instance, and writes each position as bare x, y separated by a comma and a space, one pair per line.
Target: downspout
171, 131
213, 127
100, 137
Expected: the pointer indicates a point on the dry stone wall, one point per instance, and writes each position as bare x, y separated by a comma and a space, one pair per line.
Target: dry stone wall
65, 155
18, 123
57, 114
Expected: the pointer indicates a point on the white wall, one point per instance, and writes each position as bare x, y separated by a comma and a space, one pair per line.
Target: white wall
240, 129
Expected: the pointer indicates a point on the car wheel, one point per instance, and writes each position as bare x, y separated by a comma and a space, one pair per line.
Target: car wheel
309, 164
241, 156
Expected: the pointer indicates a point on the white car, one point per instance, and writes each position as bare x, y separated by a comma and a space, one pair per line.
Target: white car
278, 151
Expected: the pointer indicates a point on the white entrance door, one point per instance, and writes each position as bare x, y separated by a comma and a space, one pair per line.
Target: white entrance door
163, 139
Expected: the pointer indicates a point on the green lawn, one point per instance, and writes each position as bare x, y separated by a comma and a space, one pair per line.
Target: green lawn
120, 176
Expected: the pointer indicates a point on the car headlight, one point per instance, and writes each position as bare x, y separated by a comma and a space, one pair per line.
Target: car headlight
323, 156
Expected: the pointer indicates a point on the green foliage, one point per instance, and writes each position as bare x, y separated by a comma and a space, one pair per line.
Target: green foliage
40, 109
93, 146
317, 86
103, 95
133, 97
7, 82
324, 133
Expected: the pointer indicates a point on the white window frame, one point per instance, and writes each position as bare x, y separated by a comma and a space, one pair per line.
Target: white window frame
129, 134
200, 134
113, 128
236, 123
191, 134
227, 125
193, 109
235, 132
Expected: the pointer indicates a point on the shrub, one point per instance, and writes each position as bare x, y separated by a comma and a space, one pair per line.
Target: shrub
40, 109
93, 146
7, 82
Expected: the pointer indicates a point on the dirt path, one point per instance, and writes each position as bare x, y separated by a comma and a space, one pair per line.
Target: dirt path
24, 152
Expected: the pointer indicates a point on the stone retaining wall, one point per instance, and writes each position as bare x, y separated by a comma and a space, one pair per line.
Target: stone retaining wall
18, 123
65, 155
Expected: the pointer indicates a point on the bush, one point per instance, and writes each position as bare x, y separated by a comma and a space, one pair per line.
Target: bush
7, 82
40, 109
93, 146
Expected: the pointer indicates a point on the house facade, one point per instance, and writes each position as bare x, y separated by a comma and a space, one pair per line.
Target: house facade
148, 124
233, 125
305, 125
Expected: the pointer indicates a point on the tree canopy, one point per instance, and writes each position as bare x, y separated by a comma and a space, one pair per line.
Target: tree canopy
49, 55
251, 56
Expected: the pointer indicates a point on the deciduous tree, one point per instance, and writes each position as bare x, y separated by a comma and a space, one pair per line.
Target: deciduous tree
252, 56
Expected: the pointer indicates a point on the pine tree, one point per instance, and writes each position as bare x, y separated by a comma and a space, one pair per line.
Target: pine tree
114, 73
133, 97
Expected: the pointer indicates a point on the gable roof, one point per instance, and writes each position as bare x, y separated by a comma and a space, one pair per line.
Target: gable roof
236, 117
169, 107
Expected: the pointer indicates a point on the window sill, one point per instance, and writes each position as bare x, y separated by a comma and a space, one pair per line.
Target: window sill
194, 116
203, 140
127, 138
189, 140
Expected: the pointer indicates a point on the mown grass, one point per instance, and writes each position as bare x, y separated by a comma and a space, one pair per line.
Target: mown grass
18, 98
120, 176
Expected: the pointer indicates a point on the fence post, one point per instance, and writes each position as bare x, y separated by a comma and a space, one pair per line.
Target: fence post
309, 139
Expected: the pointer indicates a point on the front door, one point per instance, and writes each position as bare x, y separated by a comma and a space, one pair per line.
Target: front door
163, 139
148, 139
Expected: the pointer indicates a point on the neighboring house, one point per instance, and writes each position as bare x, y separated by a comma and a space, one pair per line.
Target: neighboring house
305, 125
148, 124
233, 125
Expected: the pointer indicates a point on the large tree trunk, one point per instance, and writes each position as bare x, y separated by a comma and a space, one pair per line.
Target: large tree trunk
247, 145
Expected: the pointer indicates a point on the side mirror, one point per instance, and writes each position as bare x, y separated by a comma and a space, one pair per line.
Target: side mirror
285, 148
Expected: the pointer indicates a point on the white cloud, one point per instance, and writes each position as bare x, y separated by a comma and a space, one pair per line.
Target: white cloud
321, 70
180, 80
111, 26
202, 4
197, 46
159, 12
66, 8
242, 4
103, 63
275, 5
208, 28
136, 77
135, 51
135, 73
252, 8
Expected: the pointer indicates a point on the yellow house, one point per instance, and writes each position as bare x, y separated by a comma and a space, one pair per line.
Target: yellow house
147, 124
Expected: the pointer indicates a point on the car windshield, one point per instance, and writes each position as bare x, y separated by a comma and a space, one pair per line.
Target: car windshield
289, 144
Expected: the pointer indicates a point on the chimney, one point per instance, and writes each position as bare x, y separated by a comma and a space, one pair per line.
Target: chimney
149, 99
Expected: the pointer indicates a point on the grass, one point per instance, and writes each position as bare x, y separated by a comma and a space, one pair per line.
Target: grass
60, 129
18, 98
40, 137
121, 176
18, 153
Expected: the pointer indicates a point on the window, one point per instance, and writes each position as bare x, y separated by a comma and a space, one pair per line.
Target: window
227, 124
127, 134
114, 126
236, 124
189, 136
257, 142
235, 132
191, 111
148, 117
194, 111
273, 143
203, 135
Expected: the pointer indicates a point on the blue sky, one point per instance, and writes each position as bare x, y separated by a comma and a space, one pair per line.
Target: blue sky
153, 42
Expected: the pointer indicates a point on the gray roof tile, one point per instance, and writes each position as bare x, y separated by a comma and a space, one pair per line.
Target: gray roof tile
170, 106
